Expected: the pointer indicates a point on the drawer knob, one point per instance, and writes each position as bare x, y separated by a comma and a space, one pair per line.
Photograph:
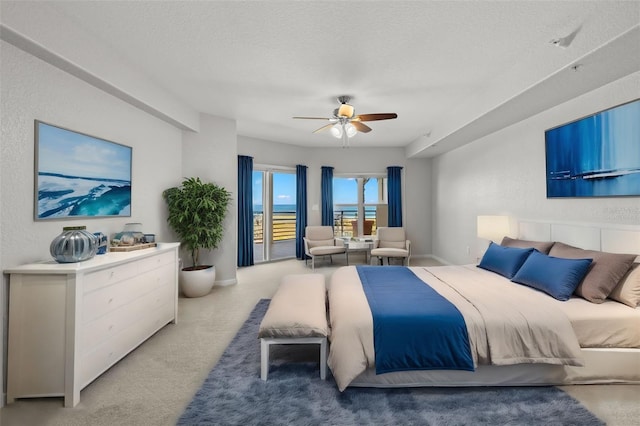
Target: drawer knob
110, 300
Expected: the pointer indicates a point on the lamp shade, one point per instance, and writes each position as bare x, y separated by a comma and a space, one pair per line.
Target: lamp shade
336, 130
493, 228
350, 129
345, 110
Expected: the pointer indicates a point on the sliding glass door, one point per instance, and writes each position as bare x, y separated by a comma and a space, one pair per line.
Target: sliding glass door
258, 216
274, 218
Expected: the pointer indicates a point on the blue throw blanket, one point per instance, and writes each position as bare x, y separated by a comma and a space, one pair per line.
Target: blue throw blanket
414, 327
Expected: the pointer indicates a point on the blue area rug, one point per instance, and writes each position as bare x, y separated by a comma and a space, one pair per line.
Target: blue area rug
233, 394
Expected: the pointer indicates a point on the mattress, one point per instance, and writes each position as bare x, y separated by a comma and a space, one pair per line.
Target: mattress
609, 325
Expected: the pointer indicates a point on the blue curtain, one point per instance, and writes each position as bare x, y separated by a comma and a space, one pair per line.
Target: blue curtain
301, 209
394, 193
326, 187
245, 210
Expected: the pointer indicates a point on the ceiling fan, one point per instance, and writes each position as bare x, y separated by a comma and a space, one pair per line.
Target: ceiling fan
344, 124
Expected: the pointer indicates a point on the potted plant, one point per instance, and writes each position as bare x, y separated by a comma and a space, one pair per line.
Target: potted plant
196, 212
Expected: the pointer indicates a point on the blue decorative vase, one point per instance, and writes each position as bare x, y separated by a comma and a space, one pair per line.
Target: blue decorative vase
75, 244
103, 244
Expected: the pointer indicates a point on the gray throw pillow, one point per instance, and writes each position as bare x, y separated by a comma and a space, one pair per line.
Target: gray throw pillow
607, 269
541, 246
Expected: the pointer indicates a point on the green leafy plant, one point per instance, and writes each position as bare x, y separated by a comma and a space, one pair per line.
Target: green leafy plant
196, 212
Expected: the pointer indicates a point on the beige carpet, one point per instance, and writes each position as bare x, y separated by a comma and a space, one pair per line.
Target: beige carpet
153, 384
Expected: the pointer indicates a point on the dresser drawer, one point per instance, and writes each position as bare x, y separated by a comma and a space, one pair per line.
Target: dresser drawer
156, 261
105, 327
107, 299
96, 362
109, 276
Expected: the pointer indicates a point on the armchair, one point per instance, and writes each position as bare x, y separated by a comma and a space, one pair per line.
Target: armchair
320, 241
391, 243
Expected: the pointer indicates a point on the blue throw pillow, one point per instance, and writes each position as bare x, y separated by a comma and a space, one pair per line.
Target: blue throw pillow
556, 276
504, 260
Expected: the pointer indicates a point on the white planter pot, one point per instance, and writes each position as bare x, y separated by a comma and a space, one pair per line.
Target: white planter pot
197, 283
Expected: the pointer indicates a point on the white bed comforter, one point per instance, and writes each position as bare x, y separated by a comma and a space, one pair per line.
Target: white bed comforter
507, 323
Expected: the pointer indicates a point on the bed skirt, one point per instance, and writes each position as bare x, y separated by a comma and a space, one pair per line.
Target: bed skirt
611, 365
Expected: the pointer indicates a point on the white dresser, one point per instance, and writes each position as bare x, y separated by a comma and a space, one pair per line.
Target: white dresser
68, 323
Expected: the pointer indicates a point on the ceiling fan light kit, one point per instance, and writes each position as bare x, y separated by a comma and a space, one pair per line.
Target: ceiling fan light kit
347, 125
344, 130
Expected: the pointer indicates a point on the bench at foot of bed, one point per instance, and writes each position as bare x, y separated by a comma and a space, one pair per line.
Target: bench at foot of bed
297, 315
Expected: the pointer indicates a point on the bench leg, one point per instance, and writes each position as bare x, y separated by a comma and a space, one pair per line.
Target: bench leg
264, 359
265, 344
323, 359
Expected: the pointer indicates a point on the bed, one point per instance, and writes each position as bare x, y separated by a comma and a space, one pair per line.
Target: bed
586, 342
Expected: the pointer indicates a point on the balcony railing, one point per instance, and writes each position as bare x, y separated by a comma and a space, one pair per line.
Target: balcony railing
284, 225
345, 223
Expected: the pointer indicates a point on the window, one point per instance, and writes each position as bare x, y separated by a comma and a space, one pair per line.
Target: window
359, 205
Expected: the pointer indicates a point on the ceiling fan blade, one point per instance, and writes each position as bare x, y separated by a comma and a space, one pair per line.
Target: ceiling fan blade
323, 128
375, 117
361, 127
313, 118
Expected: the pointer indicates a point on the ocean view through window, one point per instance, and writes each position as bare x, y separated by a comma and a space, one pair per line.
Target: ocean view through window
359, 208
359, 205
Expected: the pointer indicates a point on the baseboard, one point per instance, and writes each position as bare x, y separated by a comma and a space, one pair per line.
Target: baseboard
225, 283
420, 256
439, 259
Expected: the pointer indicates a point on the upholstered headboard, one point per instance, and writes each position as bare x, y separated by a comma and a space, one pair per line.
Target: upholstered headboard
607, 237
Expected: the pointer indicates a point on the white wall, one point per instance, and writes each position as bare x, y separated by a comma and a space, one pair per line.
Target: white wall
504, 173
43, 30
211, 154
416, 178
32, 89
417, 199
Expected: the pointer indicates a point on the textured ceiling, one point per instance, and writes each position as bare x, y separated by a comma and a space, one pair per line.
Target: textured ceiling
445, 67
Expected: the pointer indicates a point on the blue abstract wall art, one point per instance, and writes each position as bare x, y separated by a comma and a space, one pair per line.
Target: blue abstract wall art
78, 175
596, 156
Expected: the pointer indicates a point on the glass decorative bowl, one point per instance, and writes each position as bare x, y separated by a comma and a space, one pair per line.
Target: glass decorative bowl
131, 235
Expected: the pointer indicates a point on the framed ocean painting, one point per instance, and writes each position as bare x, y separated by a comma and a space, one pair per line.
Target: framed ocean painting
596, 156
80, 176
